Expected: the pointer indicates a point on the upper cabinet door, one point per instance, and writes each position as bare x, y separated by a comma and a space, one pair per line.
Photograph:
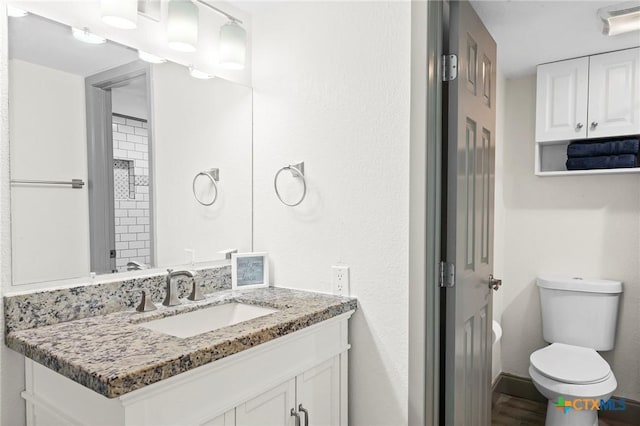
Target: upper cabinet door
614, 94
561, 103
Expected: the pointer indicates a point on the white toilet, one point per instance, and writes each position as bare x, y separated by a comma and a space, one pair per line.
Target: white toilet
578, 318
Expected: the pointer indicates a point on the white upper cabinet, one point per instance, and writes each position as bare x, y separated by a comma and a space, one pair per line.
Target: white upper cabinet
591, 97
614, 94
561, 104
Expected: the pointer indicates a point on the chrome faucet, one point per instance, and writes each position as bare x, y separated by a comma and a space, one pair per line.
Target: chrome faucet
136, 266
171, 298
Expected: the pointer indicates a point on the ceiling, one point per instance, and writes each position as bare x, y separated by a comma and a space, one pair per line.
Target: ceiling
529, 33
41, 41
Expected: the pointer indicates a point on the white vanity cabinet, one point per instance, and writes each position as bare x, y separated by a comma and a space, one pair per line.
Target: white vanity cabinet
314, 394
259, 386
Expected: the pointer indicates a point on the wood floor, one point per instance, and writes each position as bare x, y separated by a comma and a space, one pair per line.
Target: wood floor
512, 411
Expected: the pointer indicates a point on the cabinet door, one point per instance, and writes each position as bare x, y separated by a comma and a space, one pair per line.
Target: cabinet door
614, 93
226, 419
318, 391
561, 100
272, 408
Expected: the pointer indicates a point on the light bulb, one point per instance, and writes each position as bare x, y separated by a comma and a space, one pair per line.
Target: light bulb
182, 25
15, 12
201, 75
120, 13
85, 36
152, 59
233, 46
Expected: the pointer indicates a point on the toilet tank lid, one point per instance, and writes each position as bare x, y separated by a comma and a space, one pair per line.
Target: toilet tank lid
586, 285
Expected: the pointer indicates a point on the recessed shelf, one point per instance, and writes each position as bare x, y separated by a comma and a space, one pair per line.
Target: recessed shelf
590, 172
552, 156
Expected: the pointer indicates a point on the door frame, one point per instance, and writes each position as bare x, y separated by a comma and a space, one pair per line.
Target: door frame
425, 217
100, 160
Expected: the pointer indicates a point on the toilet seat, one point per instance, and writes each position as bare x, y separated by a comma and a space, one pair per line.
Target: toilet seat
570, 364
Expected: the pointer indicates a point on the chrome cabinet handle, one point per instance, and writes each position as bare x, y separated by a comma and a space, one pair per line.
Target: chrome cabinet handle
494, 283
296, 415
306, 414
594, 124
579, 126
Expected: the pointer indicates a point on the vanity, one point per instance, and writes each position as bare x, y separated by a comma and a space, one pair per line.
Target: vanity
272, 356
144, 162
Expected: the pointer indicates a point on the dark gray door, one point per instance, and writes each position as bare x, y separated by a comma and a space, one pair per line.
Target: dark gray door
469, 229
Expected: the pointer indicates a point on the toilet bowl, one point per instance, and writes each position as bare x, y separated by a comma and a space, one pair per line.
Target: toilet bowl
575, 375
578, 319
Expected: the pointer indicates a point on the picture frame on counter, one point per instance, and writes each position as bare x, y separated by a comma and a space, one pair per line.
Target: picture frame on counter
249, 270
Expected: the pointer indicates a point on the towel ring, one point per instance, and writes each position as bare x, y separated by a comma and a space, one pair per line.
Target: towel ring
214, 176
297, 171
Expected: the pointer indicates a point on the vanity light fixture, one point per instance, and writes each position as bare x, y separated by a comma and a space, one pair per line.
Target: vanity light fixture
16, 12
182, 25
152, 59
87, 37
233, 45
201, 75
620, 18
121, 14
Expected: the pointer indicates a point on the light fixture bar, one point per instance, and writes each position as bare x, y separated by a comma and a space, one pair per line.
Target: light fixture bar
620, 18
221, 12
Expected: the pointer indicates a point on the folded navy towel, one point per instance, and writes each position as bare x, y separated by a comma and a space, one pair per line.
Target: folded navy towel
603, 162
610, 147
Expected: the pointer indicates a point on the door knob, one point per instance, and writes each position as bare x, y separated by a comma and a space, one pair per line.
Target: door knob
494, 283
579, 126
594, 124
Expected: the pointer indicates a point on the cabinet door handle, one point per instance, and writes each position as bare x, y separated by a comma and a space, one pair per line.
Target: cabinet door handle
579, 126
306, 414
594, 124
296, 415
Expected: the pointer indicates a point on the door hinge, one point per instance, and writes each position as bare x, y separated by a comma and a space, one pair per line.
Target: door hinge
447, 274
449, 67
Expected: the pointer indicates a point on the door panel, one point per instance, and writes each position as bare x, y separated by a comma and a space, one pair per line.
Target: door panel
226, 419
318, 392
561, 104
614, 93
469, 229
272, 408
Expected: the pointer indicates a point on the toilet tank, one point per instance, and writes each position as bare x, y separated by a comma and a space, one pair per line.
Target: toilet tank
580, 312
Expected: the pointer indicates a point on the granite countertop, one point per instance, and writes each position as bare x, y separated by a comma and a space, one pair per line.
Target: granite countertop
113, 355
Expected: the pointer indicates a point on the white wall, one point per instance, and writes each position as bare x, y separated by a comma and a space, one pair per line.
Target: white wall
198, 125
577, 226
50, 225
332, 88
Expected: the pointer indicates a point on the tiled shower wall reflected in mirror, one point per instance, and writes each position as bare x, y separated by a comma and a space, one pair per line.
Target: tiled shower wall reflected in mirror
131, 190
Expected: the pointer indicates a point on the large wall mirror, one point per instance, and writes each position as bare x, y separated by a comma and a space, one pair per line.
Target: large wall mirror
134, 135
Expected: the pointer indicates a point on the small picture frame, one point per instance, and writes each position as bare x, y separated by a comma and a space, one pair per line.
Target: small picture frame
249, 270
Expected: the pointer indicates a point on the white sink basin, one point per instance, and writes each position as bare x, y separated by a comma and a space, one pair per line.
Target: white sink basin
207, 319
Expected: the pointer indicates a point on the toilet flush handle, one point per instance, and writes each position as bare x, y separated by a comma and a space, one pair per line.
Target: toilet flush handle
494, 283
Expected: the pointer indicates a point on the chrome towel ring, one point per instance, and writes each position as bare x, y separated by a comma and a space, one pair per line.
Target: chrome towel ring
297, 171
214, 176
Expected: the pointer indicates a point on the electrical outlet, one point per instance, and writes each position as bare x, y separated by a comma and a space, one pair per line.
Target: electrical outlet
340, 280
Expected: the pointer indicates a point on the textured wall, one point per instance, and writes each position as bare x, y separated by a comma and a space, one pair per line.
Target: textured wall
578, 226
332, 88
